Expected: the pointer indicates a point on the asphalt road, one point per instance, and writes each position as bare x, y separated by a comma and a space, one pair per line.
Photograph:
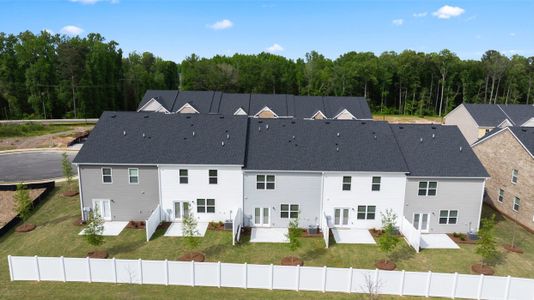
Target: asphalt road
32, 166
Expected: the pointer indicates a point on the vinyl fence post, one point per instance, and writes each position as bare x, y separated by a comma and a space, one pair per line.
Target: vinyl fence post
428, 282
480, 283
140, 266
37, 268
166, 272
350, 280
10, 263
507, 289
403, 274
218, 274
62, 262
115, 270
324, 278
245, 271
298, 278
376, 276
454, 284
271, 283
89, 270
192, 273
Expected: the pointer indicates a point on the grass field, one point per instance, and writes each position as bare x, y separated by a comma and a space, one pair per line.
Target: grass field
408, 119
56, 235
31, 129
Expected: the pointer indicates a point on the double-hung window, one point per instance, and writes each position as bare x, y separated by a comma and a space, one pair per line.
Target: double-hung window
428, 188
346, 183
375, 186
448, 216
366, 212
517, 204
184, 178
501, 195
206, 206
289, 211
106, 175
212, 174
133, 176
515, 173
265, 182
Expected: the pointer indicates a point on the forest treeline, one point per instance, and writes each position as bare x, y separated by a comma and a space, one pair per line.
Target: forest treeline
53, 76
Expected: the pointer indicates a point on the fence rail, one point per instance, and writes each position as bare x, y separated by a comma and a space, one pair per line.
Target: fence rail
152, 223
322, 279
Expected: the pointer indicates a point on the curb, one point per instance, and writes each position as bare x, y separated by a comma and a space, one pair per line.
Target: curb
57, 180
29, 150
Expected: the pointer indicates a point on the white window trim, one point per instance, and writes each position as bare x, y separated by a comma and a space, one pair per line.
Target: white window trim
345, 111
449, 216
265, 108
318, 113
110, 174
518, 205
180, 176
265, 182
427, 188
240, 112
216, 176
205, 206
289, 211
343, 184
161, 109
138, 176
499, 195
187, 105
379, 184
514, 176
366, 213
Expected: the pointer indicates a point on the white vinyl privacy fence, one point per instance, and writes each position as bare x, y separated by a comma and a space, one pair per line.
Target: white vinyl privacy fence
411, 234
297, 278
325, 229
152, 223
237, 223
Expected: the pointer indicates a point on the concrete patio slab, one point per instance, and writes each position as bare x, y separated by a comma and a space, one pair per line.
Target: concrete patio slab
111, 228
437, 241
176, 229
352, 236
268, 235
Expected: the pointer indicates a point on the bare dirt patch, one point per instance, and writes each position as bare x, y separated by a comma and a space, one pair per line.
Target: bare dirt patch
7, 204
136, 225
292, 261
482, 269
192, 256
385, 265
25, 228
401, 119
98, 254
53, 140
514, 249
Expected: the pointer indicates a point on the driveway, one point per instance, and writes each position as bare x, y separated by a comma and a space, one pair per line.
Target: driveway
32, 166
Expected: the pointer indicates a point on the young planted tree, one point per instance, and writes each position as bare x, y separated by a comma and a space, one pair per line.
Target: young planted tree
293, 235
23, 203
67, 171
94, 229
486, 245
192, 239
388, 240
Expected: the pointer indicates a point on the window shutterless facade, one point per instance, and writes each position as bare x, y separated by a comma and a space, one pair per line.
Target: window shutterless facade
515, 174
265, 182
375, 186
212, 174
346, 183
184, 178
517, 204
427, 188
501, 195
448, 216
206, 206
107, 176
133, 176
366, 212
289, 211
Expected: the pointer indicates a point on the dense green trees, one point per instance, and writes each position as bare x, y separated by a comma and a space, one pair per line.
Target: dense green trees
48, 75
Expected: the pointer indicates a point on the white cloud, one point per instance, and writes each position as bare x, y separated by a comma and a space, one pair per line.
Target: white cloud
398, 22
447, 12
71, 30
221, 25
512, 34
275, 48
420, 15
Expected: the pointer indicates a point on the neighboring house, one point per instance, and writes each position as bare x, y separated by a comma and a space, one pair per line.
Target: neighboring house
475, 120
256, 105
508, 155
275, 170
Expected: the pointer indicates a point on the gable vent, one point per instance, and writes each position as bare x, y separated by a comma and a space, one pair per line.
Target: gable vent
338, 134
227, 136
222, 143
461, 148
433, 135
266, 126
193, 133
144, 135
421, 140
124, 132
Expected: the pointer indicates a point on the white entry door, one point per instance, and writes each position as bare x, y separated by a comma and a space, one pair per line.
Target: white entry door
341, 217
262, 216
421, 221
181, 209
103, 208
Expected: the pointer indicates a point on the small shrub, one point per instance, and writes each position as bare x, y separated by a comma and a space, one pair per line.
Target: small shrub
67, 170
388, 240
23, 203
486, 245
94, 229
293, 234
190, 231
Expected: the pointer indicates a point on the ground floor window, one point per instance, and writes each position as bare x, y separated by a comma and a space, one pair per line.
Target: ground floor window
517, 204
448, 216
205, 205
366, 212
289, 211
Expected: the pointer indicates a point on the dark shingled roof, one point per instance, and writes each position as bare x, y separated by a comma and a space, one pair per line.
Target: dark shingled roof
491, 115
524, 134
165, 97
154, 138
434, 150
317, 145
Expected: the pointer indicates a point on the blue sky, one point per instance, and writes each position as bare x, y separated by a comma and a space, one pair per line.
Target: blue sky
175, 29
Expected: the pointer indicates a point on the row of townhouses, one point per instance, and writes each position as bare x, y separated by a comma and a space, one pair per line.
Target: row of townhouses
276, 168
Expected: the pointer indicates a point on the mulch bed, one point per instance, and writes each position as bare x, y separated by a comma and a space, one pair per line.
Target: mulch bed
383, 265
195, 256
514, 249
98, 254
292, 261
25, 228
375, 232
136, 225
480, 269
458, 240
70, 194
217, 226
307, 235
78, 222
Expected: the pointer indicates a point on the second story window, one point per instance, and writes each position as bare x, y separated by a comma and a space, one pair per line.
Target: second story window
212, 176
501, 195
106, 175
346, 183
427, 188
184, 178
265, 182
133, 176
376, 183
515, 173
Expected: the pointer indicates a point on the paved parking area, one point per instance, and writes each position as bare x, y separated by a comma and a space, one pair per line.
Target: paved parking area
32, 166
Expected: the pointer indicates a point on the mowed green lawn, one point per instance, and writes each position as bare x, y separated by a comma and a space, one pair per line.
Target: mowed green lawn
56, 235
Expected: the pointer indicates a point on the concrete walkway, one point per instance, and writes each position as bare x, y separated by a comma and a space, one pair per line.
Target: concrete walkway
437, 241
111, 228
268, 235
352, 236
176, 229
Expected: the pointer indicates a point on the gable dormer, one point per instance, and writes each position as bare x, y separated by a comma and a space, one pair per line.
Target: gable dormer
153, 105
266, 113
344, 115
240, 112
187, 109
529, 123
505, 123
318, 116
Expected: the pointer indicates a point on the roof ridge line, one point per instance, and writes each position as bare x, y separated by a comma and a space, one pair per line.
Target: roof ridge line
400, 148
508, 117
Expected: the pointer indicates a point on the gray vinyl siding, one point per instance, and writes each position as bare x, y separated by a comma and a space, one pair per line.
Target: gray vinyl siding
464, 195
462, 118
303, 189
128, 201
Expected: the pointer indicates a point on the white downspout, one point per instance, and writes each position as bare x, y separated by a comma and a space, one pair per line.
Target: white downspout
80, 191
